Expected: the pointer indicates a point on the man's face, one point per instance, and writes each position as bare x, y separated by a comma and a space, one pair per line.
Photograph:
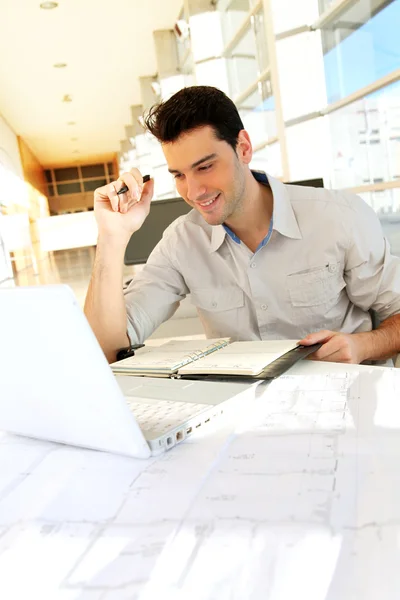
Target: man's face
209, 175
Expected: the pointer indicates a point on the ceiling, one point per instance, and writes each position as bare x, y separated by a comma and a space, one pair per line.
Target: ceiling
107, 45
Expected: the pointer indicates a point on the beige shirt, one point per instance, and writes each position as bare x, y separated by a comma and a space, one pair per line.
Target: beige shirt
325, 265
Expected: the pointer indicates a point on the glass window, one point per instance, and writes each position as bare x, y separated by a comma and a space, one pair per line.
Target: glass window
360, 46
258, 114
365, 139
308, 150
90, 186
387, 205
246, 46
92, 171
206, 26
47, 174
242, 72
233, 15
301, 74
183, 44
259, 26
68, 188
324, 5
253, 44
249, 57
164, 183
268, 159
213, 72
110, 168
171, 85
289, 14
67, 174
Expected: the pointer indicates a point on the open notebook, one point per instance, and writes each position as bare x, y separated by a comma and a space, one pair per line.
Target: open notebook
194, 359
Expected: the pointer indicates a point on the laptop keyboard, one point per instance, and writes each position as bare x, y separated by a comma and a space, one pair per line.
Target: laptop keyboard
164, 414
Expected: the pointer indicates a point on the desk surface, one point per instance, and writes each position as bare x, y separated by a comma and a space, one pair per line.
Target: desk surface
299, 499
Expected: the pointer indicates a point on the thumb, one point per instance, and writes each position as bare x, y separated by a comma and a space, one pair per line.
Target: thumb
317, 337
147, 192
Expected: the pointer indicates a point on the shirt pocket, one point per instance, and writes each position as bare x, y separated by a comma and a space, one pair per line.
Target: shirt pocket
316, 287
218, 300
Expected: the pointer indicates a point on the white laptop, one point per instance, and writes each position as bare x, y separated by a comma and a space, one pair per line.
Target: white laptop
56, 384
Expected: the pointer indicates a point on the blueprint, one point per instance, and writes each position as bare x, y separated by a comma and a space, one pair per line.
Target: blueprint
299, 498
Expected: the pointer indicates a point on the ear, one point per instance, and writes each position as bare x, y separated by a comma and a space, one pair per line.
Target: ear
244, 148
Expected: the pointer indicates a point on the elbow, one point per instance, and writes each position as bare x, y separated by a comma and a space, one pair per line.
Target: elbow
111, 356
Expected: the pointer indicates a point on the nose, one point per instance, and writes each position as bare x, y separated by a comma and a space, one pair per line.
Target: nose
195, 189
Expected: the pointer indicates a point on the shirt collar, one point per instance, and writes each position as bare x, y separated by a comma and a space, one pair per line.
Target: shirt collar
284, 219
218, 234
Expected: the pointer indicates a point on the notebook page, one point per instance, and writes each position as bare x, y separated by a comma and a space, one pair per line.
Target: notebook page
169, 357
241, 358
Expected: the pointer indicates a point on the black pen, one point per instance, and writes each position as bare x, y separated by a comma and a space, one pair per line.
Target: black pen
125, 187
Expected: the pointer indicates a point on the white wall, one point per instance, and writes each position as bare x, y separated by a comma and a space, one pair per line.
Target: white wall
5, 263
10, 167
9, 152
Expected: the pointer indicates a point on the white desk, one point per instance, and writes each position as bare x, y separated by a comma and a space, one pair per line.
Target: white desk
301, 500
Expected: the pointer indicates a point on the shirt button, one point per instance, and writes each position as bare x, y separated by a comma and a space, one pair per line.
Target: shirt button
214, 304
253, 265
332, 268
264, 306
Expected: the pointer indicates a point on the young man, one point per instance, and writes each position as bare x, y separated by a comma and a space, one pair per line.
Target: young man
261, 259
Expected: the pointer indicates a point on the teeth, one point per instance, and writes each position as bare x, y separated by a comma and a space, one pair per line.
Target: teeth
208, 203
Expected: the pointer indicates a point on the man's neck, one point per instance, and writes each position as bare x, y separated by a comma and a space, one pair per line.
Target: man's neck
252, 223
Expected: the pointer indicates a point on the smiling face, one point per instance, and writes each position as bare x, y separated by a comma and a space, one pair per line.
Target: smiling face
209, 175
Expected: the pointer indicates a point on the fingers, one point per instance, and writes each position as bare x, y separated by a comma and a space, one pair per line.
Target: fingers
319, 337
113, 197
328, 349
107, 194
337, 349
335, 357
134, 182
147, 193
144, 197
137, 191
333, 349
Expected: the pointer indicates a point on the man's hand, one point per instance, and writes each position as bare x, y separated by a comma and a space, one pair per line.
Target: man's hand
336, 347
118, 216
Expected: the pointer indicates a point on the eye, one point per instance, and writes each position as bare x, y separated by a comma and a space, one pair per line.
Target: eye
205, 168
178, 176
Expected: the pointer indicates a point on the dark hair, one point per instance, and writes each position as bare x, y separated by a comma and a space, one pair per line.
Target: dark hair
193, 107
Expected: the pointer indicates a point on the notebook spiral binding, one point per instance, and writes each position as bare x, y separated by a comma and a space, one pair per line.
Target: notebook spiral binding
200, 354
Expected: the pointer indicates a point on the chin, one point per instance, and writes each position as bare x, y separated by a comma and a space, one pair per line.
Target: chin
213, 219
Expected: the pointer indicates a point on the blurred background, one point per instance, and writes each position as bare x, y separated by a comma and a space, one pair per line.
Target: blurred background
316, 83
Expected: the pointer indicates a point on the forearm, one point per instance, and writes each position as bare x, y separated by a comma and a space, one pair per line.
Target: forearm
383, 342
104, 305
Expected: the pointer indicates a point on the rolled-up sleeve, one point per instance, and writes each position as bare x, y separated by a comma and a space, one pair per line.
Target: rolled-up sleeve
371, 272
154, 294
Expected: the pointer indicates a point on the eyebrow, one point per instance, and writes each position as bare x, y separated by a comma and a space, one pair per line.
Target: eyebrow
197, 163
